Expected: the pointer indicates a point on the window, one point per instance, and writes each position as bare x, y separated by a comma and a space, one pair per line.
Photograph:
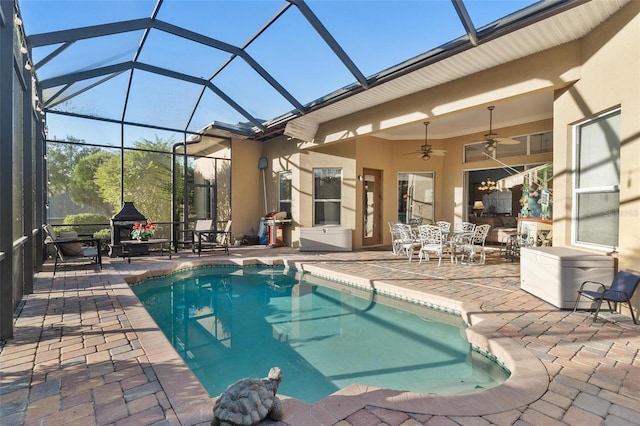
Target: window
535, 143
474, 152
327, 196
284, 192
541, 142
415, 197
596, 195
504, 150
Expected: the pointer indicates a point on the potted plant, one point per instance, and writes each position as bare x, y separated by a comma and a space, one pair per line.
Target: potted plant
143, 232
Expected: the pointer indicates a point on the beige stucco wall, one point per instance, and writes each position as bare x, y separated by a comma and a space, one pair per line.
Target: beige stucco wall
389, 156
246, 187
284, 154
609, 78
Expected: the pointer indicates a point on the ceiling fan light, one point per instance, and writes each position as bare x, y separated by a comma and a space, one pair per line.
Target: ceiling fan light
490, 136
426, 156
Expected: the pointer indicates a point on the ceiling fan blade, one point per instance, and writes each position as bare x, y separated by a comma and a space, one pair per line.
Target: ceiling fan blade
425, 151
507, 141
492, 138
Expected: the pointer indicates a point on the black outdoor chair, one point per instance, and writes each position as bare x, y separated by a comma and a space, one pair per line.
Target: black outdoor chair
70, 247
621, 291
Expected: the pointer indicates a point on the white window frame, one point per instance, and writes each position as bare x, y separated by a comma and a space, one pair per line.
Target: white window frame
496, 154
327, 200
283, 199
577, 190
426, 198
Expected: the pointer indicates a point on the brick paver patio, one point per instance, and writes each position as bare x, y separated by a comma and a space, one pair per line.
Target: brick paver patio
85, 351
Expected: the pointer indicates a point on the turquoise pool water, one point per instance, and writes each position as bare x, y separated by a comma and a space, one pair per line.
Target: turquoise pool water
228, 323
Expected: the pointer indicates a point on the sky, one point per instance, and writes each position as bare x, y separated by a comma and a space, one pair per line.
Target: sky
375, 34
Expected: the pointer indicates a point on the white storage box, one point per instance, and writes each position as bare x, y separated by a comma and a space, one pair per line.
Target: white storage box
325, 238
554, 274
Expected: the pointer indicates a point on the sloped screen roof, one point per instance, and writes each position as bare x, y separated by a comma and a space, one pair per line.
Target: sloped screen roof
244, 65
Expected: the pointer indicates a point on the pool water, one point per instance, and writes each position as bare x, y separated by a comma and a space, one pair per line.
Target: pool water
228, 323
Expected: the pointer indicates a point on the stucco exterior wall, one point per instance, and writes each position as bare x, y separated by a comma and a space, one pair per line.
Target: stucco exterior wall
283, 155
354, 155
587, 76
246, 187
609, 78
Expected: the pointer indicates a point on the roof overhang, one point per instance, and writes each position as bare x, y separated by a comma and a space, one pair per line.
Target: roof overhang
504, 41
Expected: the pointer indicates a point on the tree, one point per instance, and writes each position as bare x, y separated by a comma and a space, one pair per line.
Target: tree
147, 179
91, 177
83, 187
61, 162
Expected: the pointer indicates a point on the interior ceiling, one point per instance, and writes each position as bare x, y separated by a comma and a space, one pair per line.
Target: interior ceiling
178, 66
507, 113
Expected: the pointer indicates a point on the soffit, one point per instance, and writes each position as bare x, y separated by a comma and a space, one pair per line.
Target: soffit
545, 34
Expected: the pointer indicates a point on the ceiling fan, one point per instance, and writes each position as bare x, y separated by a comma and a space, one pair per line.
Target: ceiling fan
425, 150
491, 139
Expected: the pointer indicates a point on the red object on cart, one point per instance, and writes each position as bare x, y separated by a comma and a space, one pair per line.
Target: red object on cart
275, 222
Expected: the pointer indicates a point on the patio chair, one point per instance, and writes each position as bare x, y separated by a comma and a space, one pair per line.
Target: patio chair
192, 237
621, 291
395, 237
445, 229
444, 226
432, 241
545, 238
70, 247
408, 242
464, 227
213, 238
475, 243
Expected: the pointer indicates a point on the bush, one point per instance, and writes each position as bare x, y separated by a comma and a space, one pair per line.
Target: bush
105, 238
85, 223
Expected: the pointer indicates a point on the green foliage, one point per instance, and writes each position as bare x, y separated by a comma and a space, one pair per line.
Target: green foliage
223, 184
83, 187
62, 159
85, 223
107, 179
105, 238
147, 179
92, 178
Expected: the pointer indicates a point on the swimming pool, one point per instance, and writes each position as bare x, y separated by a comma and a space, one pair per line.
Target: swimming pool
233, 322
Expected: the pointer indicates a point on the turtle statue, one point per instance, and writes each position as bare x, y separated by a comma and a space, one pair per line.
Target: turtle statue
249, 401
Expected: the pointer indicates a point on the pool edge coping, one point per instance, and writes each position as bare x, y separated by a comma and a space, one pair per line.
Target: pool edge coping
529, 378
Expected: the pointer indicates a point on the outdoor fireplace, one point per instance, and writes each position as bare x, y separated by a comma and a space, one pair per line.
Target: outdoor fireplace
121, 227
